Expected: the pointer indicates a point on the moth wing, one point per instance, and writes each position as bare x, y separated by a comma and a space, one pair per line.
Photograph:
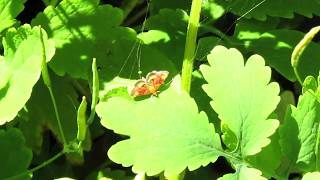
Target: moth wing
156, 75
140, 88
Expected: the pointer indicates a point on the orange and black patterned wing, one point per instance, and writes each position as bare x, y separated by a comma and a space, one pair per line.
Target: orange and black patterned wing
156, 78
141, 88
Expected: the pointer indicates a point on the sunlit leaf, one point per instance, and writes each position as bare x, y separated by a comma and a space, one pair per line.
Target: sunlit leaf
9, 9
21, 68
165, 135
242, 97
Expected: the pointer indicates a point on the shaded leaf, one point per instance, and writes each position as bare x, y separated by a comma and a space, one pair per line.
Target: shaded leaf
260, 9
176, 30
15, 157
81, 30
287, 98
276, 47
40, 114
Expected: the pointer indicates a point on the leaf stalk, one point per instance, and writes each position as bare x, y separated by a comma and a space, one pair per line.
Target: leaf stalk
47, 81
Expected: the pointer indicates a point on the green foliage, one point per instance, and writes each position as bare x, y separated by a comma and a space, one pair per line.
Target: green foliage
244, 173
179, 135
21, 68
8, 11
109, 174
15, 157
242, 87
79, 28
272, 8
300, 131
41, 119
311, 176
248, 63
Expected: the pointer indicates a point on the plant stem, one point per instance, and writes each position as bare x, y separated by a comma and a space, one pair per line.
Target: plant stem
45, 163
47, 82
57, 115
190, 46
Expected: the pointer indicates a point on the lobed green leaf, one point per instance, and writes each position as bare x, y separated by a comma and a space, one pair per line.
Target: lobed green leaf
167, 133
244, 173
300, 133
242, 97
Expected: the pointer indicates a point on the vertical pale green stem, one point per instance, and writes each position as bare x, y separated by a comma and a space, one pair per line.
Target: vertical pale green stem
300, 47
47, 82
190, 46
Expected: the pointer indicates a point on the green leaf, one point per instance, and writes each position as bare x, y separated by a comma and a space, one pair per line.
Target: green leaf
269, 159
21, 68
15, 157
176, 30
82, 30
203, 173
247, 30
209, 7
165, 135
310, 83
252, 9
289, 141
157, 5
205, 45
123, 65
244, 173
311, 176
276, 47
287, 98
40, 112
109, 174
212, 9
300, 133
203, 100
237, 90
9, 9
